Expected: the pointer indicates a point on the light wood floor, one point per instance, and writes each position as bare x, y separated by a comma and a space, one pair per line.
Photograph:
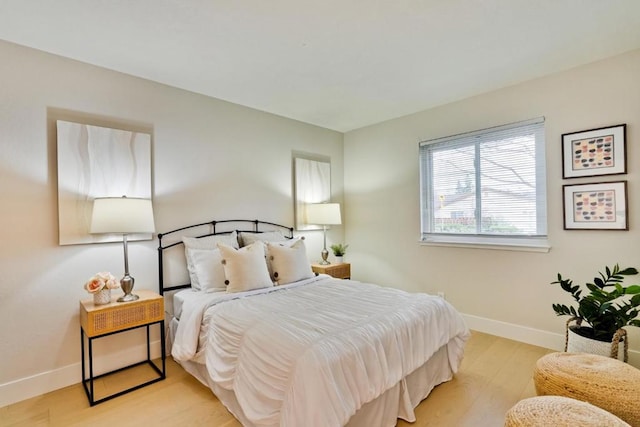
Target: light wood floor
495, 374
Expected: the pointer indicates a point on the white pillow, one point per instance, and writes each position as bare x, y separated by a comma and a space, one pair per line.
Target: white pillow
286, 242
208, 242
245, 269
247, 238
211, 242
208, 269
289, 263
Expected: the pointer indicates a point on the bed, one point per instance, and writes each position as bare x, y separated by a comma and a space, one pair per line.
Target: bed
281, 346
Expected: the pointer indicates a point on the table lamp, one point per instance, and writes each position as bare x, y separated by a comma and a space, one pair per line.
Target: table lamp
324, 214
123, 215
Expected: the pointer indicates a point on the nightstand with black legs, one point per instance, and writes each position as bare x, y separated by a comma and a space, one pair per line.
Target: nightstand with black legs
98, 321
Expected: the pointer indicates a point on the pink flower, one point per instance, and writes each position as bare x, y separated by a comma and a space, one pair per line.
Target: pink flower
100, 281
94, 285
109, 280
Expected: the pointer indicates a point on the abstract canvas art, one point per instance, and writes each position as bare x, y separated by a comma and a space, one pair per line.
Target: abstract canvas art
594, 152
601, 206
312, 185
93, 162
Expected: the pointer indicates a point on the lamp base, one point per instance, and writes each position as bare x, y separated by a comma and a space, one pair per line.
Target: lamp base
325, 255
127, 286
128, 297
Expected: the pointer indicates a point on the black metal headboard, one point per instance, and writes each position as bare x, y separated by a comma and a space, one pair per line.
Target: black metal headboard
205, 229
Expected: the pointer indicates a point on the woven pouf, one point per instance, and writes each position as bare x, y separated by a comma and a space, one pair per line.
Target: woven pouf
558, 411
602, 381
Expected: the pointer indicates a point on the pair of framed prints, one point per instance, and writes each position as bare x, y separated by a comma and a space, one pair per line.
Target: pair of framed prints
599, 205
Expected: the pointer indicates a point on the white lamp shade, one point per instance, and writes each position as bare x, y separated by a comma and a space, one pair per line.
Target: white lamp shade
122, 215
324, 214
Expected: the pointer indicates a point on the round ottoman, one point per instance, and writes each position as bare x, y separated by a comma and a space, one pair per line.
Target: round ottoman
558, 411
602, 381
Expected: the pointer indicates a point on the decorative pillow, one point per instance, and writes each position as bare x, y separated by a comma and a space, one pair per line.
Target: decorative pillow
247, 238
287, 243
289, 262
208, 269
209, 243
245, 269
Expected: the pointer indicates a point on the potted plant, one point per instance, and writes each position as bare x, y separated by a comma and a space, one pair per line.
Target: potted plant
606, 309
339, 250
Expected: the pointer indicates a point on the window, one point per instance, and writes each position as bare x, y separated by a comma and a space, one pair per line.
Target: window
486, 187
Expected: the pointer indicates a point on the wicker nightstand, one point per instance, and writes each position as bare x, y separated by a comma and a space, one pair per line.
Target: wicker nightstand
97, 321
339, 271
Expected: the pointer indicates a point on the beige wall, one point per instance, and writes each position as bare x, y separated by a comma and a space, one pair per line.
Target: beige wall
211, 160
503, 292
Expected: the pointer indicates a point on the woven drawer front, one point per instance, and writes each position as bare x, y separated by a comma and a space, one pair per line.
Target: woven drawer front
128, 316
340, 270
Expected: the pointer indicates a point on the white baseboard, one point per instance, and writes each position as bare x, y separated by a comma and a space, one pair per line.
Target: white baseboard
528, 335
515, 332
44, 382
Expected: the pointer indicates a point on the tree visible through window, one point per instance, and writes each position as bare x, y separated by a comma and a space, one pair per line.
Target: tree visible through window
485, 183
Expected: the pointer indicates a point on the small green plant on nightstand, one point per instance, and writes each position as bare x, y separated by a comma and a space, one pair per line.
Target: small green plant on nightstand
339, 249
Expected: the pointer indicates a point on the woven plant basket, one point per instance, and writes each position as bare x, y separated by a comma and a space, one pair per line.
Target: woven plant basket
618, 348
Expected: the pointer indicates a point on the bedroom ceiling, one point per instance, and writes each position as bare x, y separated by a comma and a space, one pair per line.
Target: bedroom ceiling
339, 64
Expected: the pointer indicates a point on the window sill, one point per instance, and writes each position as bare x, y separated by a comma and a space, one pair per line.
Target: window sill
528, 244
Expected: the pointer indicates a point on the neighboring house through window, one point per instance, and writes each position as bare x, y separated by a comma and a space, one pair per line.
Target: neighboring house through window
486, 187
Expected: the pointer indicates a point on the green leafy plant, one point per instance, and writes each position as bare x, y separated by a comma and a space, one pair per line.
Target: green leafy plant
339, 249
607, 307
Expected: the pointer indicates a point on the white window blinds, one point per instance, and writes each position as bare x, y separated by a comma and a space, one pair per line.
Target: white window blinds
489, 183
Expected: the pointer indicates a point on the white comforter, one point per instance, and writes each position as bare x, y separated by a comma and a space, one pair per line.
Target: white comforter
312, 353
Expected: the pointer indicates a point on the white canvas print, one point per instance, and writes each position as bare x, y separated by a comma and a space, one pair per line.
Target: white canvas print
94, 162
312, 185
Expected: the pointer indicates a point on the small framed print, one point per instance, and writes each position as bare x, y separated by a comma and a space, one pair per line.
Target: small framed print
601, 206
594, 152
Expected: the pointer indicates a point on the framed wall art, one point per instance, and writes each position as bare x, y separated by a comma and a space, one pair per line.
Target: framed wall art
312, 184
95, 161
600, 206
594, 152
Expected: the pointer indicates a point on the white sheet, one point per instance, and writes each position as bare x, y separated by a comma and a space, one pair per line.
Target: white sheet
312, 353
188, 294
178, 300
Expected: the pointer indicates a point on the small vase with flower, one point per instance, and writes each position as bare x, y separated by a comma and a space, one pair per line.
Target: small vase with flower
100, 286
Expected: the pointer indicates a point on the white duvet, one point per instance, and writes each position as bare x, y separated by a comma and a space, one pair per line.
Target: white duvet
312, 353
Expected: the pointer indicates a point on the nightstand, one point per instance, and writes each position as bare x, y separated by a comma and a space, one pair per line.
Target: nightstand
339, 271
98, 321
